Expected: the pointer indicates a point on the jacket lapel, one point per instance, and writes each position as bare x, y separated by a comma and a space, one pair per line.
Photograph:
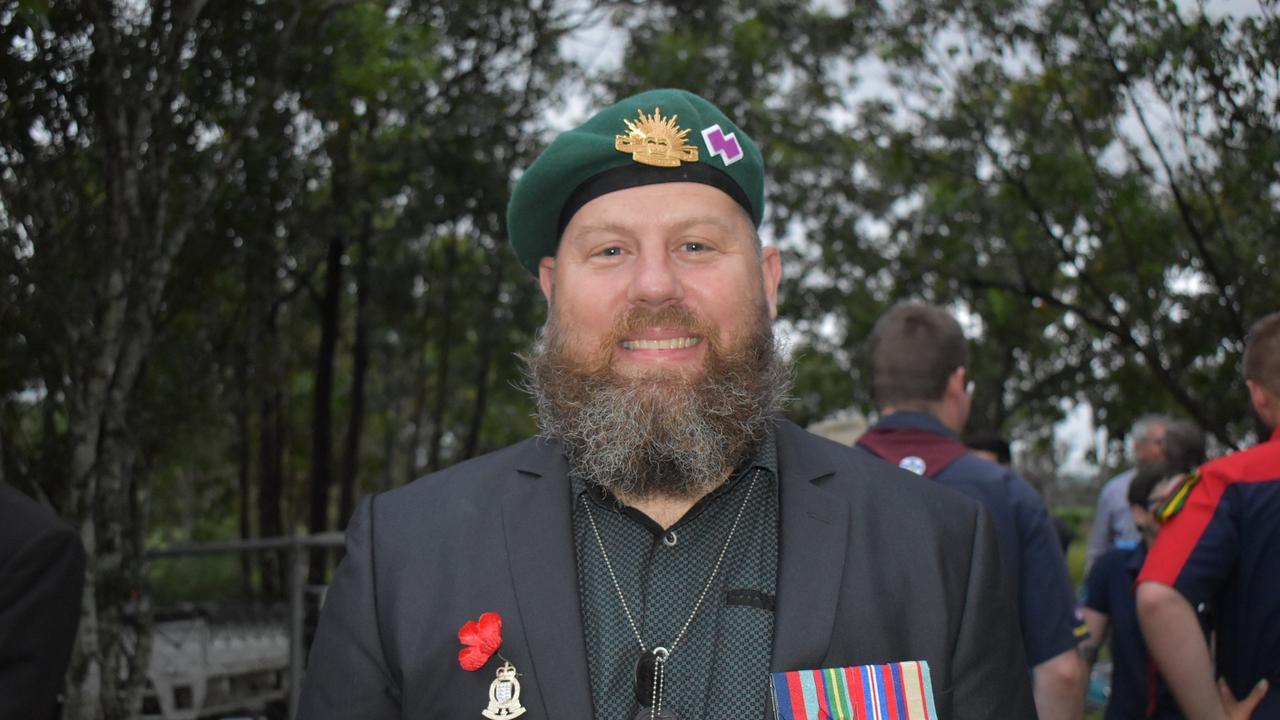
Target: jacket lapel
540, 549
813, 535
539, 535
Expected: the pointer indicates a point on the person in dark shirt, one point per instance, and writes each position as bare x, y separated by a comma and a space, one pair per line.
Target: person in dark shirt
917, 359
41, 576
990, 446
1111, 609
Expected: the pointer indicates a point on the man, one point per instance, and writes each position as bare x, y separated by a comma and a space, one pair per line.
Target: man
41, 575
667, 542
918, 355
1223, 550
1110, 608
1112, 521
990, 446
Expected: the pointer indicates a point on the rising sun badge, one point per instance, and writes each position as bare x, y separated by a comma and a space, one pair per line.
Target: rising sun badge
655, 140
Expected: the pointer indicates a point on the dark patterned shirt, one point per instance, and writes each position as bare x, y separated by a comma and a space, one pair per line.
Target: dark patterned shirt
720, 667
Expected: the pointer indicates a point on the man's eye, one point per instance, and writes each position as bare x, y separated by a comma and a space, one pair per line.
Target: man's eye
694, 247
611, 252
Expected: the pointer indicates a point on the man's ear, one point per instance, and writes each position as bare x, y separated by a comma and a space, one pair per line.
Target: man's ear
547, 277
771, 272
955, 383
1266, 404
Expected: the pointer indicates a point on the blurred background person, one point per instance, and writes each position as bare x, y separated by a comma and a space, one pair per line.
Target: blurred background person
1110, 606
1112, 521
990, 446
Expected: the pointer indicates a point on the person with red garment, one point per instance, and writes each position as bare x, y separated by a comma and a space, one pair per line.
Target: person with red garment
1223, 550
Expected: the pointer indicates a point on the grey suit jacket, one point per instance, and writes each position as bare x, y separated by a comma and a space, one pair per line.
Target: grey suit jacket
876, 565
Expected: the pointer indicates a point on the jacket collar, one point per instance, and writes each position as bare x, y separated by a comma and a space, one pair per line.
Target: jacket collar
812, 540
539, 534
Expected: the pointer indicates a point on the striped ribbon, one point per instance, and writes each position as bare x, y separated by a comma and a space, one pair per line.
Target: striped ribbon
1176, 499
896, 691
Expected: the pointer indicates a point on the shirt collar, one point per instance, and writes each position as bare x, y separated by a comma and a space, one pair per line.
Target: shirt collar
917, 420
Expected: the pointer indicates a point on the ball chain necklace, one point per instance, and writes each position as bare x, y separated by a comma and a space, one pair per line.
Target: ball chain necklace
650, 664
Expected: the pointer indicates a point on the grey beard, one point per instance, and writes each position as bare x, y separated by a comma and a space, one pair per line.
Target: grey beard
653, 436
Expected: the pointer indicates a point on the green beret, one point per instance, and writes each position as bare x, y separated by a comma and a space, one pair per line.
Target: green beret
655, 137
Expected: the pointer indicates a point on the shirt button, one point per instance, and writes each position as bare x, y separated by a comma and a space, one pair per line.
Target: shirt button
670, 539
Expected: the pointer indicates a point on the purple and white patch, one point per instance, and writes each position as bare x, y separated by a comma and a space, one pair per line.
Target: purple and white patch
726, 147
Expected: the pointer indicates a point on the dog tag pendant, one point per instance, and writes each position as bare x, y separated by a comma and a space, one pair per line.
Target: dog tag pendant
649, 683
646, 666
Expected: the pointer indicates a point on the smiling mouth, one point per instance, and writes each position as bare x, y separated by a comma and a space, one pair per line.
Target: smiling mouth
669, 344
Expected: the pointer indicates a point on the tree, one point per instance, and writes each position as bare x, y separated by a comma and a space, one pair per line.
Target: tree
110, 159
1088, 183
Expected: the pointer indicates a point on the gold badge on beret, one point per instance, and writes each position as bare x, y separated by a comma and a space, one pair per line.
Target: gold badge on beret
655, 140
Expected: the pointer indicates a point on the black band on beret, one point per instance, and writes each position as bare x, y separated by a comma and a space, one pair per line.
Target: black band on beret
635, 175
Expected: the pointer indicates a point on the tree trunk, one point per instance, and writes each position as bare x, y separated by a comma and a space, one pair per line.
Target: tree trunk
244, 460
417, 413
130, 82
322, 412
444, 343
271, 489
359, 371
488, 332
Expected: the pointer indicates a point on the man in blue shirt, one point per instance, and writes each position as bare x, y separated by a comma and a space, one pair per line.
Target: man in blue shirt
1112, 522
918, 355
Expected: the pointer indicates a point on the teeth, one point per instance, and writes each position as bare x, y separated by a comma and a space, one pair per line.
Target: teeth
672, 344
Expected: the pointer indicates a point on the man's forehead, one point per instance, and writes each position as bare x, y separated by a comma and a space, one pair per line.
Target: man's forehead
668, 208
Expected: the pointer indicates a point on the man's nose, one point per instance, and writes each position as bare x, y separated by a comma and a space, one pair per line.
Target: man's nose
654, 281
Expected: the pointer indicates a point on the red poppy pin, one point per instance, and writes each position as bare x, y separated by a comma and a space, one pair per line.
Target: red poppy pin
480, 640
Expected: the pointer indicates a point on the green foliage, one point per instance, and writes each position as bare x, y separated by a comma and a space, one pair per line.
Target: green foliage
213, 578
1105, 262
822, 387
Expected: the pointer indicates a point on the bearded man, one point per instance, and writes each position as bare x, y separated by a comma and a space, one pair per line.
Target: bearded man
668, 547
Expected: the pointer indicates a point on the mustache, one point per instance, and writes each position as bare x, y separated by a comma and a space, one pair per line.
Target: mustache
635, 319
631, 321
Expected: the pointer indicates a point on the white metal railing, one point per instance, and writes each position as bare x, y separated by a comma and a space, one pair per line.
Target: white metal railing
295, 547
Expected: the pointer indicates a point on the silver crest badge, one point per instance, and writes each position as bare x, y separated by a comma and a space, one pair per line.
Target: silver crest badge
504, 695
